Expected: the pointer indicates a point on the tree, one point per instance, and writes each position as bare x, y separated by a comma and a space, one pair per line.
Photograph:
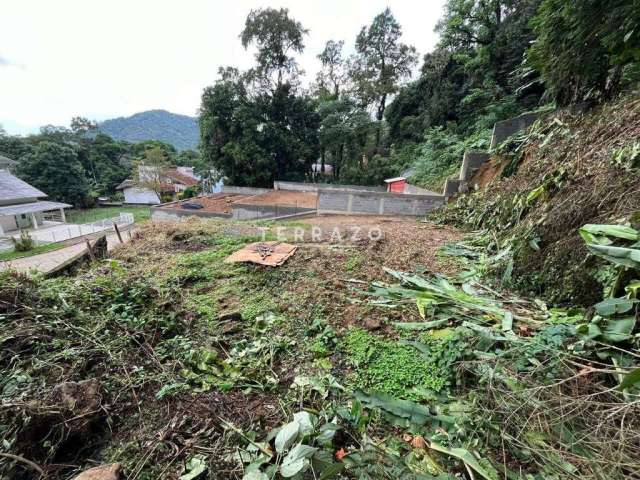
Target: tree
254, 127
583, 47
381, 63
56, 170
151, 171
276, 36
82, 125
333, 76
343, 134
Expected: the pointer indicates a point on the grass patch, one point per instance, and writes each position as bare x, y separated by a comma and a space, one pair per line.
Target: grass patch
391, 367
101, 213
47, 247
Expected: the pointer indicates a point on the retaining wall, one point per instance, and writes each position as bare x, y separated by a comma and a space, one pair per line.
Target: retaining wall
470, 162
504, 129
253, 212
374, 203
159, 214
243, 190
315, 187
451, 187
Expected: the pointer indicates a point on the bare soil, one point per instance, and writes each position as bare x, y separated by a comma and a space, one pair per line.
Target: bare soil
283, 197
215, 203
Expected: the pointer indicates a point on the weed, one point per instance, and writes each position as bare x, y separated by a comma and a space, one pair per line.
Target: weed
391, 367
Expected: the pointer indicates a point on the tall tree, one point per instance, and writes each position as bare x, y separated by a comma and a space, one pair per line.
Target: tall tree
333, 76
56, 170
583, 47
381, 62
276, 37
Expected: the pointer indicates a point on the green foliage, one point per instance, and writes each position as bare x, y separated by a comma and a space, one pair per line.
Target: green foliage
24, 243
439, 155
391, 367
382, 61
56, 170
180, 131
586, 50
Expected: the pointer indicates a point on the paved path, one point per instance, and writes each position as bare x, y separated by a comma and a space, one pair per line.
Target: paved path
51, 261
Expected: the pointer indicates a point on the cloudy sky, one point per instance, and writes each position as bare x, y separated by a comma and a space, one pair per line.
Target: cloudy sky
108, 58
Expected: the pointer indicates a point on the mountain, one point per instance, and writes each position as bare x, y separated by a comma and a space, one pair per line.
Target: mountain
181, 131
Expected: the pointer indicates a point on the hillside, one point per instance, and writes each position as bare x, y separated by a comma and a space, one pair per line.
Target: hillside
566, 171
181, 131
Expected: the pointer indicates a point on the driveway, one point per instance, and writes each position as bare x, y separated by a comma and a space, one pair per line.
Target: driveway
49, 262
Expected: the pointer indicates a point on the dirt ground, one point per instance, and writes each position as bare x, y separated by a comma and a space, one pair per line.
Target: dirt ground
284, 197
215, 203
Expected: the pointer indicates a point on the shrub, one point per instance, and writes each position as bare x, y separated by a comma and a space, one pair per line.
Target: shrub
24, 243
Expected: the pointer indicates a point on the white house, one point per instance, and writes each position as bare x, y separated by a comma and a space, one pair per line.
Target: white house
20, 207
171, 181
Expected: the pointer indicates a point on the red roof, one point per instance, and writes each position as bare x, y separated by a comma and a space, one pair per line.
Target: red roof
181, 178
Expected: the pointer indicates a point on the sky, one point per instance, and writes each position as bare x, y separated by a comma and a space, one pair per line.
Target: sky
109, 58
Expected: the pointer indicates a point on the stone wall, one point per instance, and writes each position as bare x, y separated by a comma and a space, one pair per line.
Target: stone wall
376, 203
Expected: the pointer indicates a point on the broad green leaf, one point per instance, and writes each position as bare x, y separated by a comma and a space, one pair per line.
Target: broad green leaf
255, 475
611, 306
630, 379
628, 257
331, 471
195, 467
618, 231
404, 409
306, 422
468, 458
420, 325
296, 460
286, 436
507, 322
618, 330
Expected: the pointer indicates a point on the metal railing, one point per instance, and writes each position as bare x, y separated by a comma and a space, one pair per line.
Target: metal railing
70, 231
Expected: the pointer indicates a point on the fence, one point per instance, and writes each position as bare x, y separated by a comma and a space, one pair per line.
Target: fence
330, 201
68, 231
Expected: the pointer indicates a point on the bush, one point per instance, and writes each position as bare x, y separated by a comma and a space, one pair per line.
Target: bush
24, 243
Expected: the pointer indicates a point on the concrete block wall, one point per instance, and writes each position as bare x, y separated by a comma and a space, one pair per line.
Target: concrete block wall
504, 129
471, 161
159, 214
376, 203
315, 187
243, 190
451, 187
254, 212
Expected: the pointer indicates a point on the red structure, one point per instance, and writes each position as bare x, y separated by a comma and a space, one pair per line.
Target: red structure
396, 185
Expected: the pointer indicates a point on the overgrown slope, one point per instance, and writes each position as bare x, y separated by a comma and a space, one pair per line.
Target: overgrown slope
567, 171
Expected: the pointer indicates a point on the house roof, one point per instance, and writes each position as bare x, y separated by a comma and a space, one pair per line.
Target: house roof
395, 179
125, 183
12, 188
178, 177
32, 207
128, 183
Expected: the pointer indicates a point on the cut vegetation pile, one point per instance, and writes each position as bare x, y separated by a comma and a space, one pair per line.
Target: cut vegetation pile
177, 365
566, 171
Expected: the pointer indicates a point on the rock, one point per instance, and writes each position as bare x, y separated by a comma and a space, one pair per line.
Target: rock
78, 397
103, 472
372, 324
230, 317
230, 328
